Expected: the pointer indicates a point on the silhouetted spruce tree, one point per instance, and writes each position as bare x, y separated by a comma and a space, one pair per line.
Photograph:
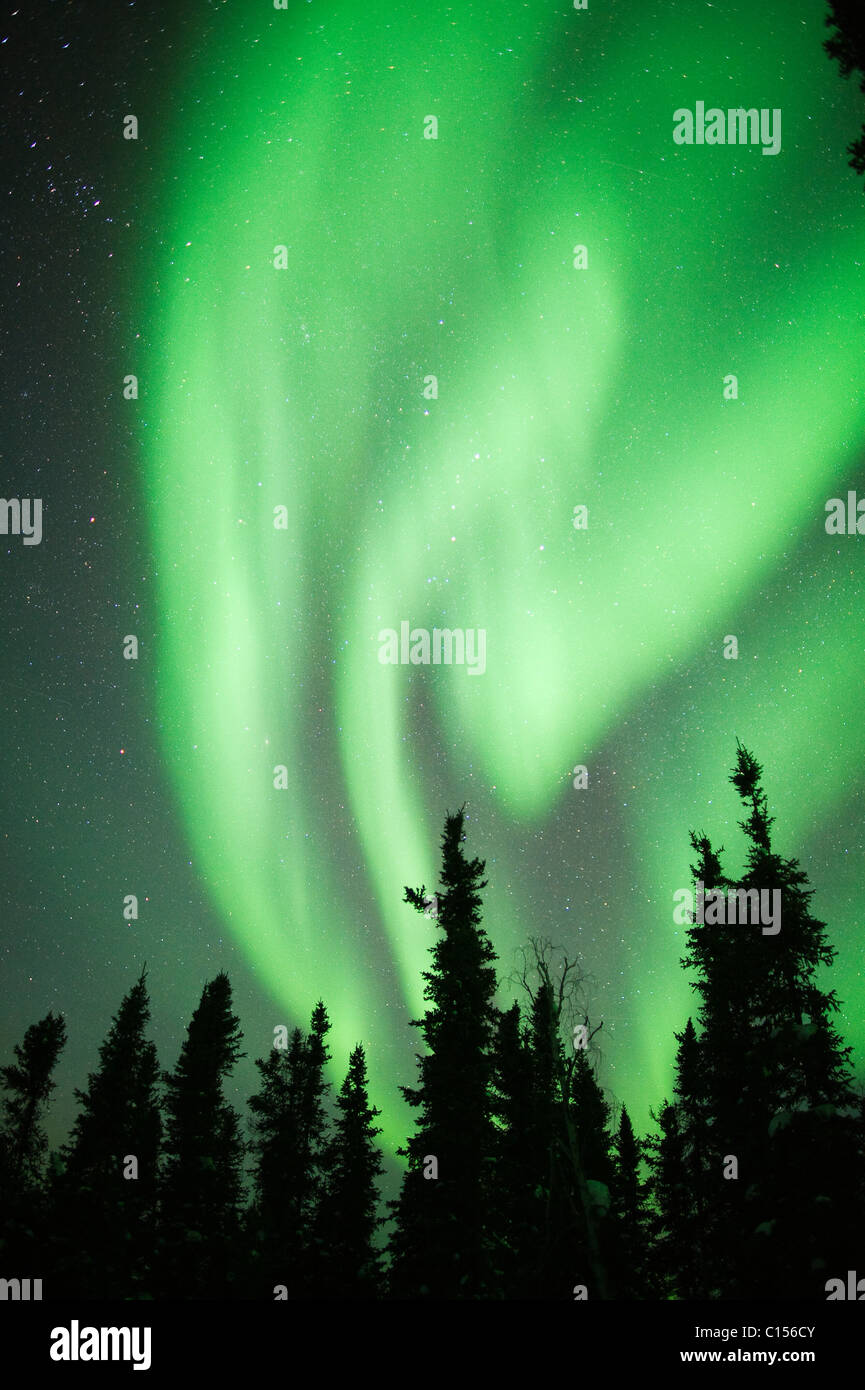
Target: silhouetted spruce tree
521, 1165
290, 1137
591, 1116
201, 1182
715, 1085
629, 1238
349, 1261
561, 1252
676, 1268
282, 1171
27, 1085
777, 1081
805, 1199
847, 46
569, 1112
316, 1124
441, 1243
709, 1208
592, 1159
691, 1098
104, 1199
685, 1181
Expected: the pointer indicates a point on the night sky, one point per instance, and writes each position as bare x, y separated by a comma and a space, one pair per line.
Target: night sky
446, 505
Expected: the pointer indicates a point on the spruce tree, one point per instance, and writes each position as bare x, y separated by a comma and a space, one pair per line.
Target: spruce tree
347, 1218
708, 1210
201, 1184
27, 1084
716, 1088
677, 1238
568, 1128
441, 1244
521, 1164
629, 1241
684, 1181
290, 1138
105, 1195
847, 46
776, 1171
590, 1141
282, 1173
801, 1207
591, 1118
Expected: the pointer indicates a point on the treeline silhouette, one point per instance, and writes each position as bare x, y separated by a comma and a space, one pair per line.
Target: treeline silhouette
846, 44
517, 1183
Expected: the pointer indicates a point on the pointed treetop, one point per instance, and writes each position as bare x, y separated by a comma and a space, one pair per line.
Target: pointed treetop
746, 778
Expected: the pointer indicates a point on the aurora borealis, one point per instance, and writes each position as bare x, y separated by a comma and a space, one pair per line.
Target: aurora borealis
306, 388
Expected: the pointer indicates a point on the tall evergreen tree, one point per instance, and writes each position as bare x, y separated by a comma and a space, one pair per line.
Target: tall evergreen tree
27, 1084
676, 1269
561, 1252
276, 1218
201, 1184
592, 1165
521, 1164
591, 1119
567, 1124
847, 46
347, 1219
711, 1110
776, 1172
290, 1138
105, 1197
803, 1206
629, 1242
684, 1181
441, 1244
569, 1250
710, 1208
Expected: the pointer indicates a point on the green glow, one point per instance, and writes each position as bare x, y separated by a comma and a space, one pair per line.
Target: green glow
303, 387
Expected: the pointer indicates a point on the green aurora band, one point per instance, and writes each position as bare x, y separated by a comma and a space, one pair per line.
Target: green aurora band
303, 388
